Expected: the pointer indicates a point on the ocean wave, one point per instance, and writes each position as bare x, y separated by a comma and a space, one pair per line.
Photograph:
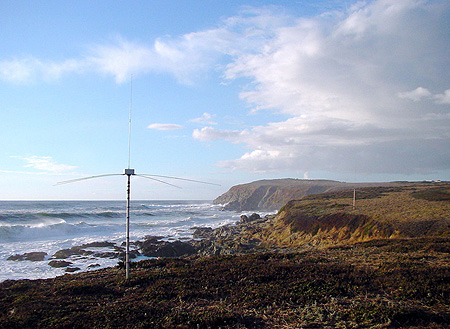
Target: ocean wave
53, 229
23, 216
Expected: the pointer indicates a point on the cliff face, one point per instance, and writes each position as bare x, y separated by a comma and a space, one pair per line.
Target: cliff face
271, 195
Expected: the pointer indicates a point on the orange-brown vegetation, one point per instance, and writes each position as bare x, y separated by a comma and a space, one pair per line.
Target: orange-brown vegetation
409, 211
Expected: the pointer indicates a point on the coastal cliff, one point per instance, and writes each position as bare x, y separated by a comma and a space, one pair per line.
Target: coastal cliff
271, 195
408, 211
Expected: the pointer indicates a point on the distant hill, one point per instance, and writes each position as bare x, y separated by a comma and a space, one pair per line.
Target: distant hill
271, 195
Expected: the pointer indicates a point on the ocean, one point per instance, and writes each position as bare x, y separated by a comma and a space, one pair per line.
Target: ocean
49, 226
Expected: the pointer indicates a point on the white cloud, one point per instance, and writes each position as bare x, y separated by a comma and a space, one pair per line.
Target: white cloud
121, 59
165, 126
206, 119
420, 93
209, 134
337, 77
416, 94
187, 57
443, 98
30, 69
45, 163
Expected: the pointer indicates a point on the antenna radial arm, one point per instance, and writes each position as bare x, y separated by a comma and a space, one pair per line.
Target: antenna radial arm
85, 178
179, 178
157, 180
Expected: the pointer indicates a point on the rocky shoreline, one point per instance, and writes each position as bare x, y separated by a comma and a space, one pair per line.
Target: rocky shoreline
325, 220
224, 240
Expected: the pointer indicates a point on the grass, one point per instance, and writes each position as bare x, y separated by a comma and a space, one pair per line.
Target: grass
408, 211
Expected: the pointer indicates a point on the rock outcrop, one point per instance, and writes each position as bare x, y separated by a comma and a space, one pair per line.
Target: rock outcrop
35, 256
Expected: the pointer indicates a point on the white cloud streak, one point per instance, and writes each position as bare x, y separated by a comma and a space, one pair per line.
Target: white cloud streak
45, 163
165, 126
206, 119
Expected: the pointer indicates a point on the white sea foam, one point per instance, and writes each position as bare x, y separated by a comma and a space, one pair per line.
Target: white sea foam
52, 226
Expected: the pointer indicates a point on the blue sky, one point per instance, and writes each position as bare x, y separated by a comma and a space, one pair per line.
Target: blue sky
223, 91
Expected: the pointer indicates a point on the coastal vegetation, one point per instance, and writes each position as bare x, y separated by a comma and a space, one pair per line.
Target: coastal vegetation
378, 284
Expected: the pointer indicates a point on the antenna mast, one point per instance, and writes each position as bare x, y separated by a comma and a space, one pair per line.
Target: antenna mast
129, 122
129, 172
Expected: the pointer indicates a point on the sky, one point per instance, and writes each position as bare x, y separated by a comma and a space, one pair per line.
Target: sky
224, 92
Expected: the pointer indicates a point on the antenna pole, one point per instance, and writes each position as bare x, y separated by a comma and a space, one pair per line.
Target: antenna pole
127, 254
354, 198
129, 123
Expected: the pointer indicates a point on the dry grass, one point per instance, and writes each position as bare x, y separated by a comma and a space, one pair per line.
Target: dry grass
381, 212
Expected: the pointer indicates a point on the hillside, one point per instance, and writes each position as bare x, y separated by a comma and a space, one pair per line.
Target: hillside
271, 195
410, 211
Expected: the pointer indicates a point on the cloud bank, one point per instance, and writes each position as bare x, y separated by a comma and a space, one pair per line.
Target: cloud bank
367, 91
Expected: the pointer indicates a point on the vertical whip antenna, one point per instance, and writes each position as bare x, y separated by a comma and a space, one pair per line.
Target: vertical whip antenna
129, 123
131, 172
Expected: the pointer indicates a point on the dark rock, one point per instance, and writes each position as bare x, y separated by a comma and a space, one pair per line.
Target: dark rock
59, 263
35, 256
244, 219
153, 238
167, 249
66, 253
98, 244
202, 232
94, 265
251, 218
72, 269
106, 254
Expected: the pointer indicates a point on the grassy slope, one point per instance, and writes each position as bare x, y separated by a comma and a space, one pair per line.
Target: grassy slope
382, 212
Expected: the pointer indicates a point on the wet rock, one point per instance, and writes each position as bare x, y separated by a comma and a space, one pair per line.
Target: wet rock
35, 256
106, 254
132, 254
74, 251
167, 249
59, 263
149, 239
94, 265
72, 269
202, 232
103, 244
251, 218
